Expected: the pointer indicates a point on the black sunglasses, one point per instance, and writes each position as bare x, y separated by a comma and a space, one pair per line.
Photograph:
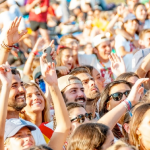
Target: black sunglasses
81, 118
118, 96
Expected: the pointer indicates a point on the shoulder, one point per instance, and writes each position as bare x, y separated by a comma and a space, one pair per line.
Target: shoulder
120, 38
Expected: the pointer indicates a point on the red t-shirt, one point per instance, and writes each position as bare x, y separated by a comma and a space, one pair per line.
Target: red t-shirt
41, 17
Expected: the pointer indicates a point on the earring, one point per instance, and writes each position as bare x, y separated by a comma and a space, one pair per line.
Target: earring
139, 137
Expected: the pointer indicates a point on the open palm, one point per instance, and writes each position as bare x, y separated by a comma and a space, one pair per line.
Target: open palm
13, 36
117, 64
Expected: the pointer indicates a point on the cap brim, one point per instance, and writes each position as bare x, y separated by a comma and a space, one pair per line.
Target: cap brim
13, 132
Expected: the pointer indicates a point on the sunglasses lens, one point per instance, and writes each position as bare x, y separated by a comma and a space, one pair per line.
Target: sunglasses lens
126, 93
89, 116
81, 118
117, 96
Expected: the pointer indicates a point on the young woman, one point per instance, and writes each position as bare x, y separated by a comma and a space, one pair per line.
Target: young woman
141, 14
64, 60
113, 94
139, 127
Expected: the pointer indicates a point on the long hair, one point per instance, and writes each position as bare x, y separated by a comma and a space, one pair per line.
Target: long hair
104, 100
46, 110
88, 136
136, 120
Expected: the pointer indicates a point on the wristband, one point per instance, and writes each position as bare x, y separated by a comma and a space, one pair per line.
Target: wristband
35, 53
128, 106
129, 103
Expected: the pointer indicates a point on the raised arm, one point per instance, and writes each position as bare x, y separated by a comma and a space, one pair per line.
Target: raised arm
113, 116
62, 118
6, 79
12, 36
30, 6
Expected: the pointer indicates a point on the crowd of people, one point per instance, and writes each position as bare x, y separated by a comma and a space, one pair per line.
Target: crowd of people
74, 75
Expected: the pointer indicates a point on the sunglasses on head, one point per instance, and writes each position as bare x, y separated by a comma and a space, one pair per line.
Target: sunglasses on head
118, 96
81, 118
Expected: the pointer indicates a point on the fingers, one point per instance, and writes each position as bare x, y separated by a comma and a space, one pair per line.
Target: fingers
51, 43
18, 21
139, 82
23, 33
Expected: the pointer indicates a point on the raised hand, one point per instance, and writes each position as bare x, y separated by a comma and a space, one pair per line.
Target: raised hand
48, 71
117, 64
13, 36
120, 10
5, 74
136, 91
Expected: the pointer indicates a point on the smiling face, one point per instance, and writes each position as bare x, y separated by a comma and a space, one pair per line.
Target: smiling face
75, 93
22, 140
141, 13
103, 50
34, 99
117, 88
91, 90
131, 25
16, 99
67, 58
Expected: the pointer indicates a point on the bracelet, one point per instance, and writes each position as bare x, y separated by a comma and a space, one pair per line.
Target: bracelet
129, 103
7, 49
7, 45
125, 105
128, 106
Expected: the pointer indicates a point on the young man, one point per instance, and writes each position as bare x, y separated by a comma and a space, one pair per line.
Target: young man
72, 89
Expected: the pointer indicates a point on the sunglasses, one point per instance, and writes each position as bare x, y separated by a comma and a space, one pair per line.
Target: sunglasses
118, 96
81, 118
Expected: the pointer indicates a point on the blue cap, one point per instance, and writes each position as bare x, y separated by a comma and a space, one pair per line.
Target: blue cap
129, 17
12, 126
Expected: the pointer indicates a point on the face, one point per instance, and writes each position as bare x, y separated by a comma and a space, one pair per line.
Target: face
91, 90
75, 93
117, 88
22, 140
99, 80
109, 140
144, 130
34, 99
67, 59
133, 79
73, 44
131, 3
17, 99
73, 113
97, 13
131, 25
146, 40
89, 49
103, 50
141, 13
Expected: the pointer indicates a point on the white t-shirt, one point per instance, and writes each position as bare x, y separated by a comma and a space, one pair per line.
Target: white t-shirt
37, 134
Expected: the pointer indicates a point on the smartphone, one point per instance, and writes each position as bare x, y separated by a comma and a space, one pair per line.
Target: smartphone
49, 57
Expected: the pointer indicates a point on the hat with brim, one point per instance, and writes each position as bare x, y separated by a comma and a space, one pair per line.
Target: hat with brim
129, 17
12, 126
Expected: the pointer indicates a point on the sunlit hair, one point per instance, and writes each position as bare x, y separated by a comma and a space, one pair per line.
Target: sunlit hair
143, 32
120, 144
136, 120
88, 136
46, 110
65, 37
73, 105
126, 76
136, 6
146, 97
59, 55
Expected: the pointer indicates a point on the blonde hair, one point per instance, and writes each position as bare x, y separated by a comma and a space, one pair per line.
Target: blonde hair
46, 110
120, 144
143, 32
6, 142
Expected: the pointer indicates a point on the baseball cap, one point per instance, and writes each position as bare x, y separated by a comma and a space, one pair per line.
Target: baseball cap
67, 80
129, 17
138, 58
36, 72
12, 126
98, 39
